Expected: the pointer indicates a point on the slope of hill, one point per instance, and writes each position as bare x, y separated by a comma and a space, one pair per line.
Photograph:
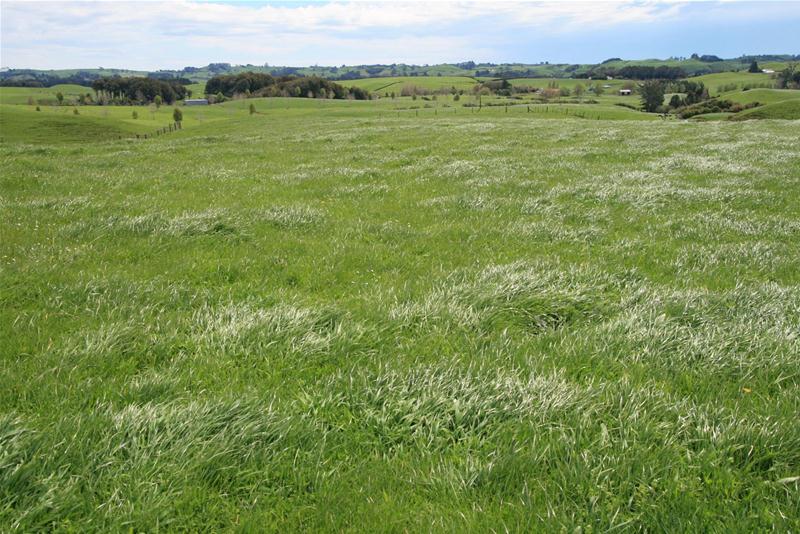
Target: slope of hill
786, 110
426, 82
41, 95
763, 96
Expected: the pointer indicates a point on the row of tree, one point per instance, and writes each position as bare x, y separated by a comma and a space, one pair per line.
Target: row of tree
637, 72
32, 78
258, 84
139, 90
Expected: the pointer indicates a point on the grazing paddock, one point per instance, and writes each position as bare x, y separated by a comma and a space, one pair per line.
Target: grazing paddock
340, 316
396, 83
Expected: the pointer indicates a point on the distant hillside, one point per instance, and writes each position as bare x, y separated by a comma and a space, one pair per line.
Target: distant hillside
679, 67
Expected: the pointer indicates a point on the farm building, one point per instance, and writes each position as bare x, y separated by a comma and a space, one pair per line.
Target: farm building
624, 92
196, 102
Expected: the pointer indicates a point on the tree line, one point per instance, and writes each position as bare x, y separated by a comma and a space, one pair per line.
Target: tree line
32, 78
138, 90
259, 84
637, 72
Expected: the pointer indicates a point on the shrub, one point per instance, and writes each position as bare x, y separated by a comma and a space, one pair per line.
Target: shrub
177, 115
550, 92
713, 106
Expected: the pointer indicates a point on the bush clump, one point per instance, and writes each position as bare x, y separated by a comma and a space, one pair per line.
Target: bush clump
713, 106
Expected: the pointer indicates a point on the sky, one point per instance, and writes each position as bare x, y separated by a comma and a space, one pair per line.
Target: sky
172, 34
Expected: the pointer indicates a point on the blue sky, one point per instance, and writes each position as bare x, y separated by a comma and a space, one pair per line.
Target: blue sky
173, 34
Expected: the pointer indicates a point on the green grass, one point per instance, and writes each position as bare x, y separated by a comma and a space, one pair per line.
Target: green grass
786, 110
723, 115
341, 316
198, 89
396, 83
43, 95
570, 83
763, 96
717, 81
60, 124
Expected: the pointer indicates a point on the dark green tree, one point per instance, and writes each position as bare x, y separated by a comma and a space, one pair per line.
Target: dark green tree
754, 67
652, 93
177, 115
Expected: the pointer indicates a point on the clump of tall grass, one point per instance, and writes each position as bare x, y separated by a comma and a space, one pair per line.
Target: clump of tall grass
435, 407
529, 296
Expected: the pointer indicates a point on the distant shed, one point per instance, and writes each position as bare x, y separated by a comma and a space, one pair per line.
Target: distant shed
624, 92
195, 102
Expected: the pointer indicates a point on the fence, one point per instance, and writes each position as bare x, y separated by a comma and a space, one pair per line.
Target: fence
174, 127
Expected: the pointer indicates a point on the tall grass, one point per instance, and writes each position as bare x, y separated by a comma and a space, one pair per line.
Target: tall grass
336, 320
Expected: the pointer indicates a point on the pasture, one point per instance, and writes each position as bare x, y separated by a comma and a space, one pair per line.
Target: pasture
720, 80
43, 95
764, 96
785, 109
348, 316
396, 83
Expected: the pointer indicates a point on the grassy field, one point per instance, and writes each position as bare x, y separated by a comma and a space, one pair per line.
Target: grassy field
44, 95
346, 316
94, 123
764, 96
396, 83
715, 82
197, 89
786, 110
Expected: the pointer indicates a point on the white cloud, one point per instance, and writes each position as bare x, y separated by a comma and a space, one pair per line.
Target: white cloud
170, 34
